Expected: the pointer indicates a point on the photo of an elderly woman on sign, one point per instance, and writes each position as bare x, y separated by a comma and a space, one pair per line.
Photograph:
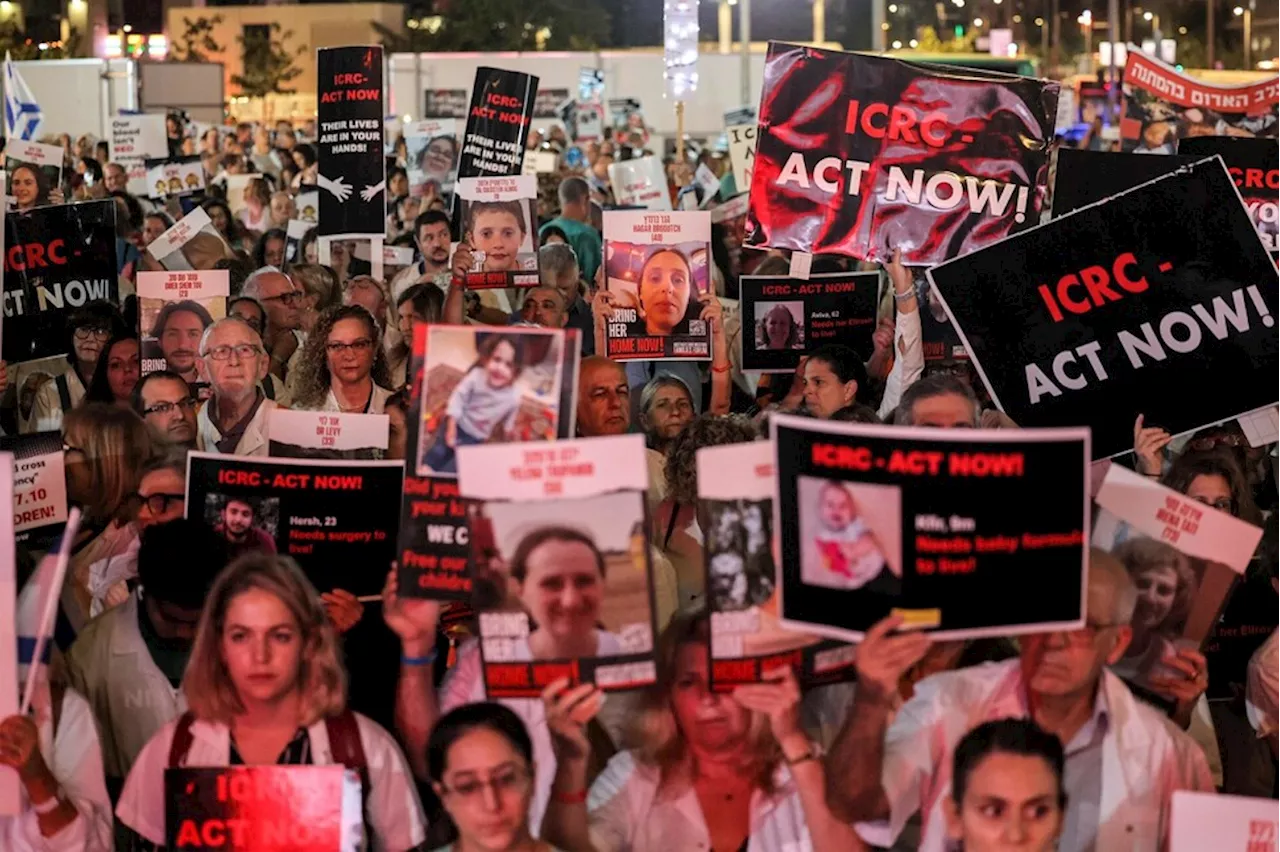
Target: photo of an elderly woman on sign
1167, 587
779, 325
571, 575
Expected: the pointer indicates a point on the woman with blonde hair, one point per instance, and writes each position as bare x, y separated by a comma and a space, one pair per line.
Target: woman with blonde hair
1166, 590
320, 286
256, 213
704, 769
343, 366
265, 687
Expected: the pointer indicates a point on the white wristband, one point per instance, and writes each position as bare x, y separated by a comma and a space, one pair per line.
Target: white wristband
49, 805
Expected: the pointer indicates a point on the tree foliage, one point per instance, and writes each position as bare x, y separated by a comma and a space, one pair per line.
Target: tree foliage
15, 42
268, 62
494, 25
196, 42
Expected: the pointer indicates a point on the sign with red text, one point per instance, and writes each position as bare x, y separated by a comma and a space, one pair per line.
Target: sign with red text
861, 155
742, 153
39, 487
735, 513
33, 170
1200, 821
546, 516
1128, 307
1162, 106
658, 273
499, 223
192, 243
1252, 164
351, 167
783, 318
935, 525
174, 309
335, 518
263, 809
502, 104
134, 139
326, 434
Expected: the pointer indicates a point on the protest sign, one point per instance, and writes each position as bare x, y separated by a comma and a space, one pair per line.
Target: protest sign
308, 203
174, 309
294, 232
1162, 106
742, 154
1087, 177
787, 317
640, 183
543, 516
499, 222
431, 155
547, 102
444, 103
1183, 556
497, 123
56, 259
351, 167
621, 110
1252, 166
1128, 307
263, 808
939, 340
587, 123
590, 83
735, 511
39, 487
680, 47
1200, 821
326, 434
937, 525
330, 516
167, 177
493, 386
33, 171
11, 797
135, 139
932, 160
657, 270
193, 243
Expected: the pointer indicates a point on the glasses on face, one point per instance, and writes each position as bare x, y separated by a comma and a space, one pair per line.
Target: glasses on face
157, 504
243, 351
289, 298
1209, 442
337, 347
187, 404
505, 782
98, 334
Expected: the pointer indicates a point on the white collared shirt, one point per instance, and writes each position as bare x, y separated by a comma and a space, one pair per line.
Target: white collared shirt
252, 443
377, 401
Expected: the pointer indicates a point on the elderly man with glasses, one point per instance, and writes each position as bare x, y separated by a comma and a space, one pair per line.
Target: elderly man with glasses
234, 421
283, 302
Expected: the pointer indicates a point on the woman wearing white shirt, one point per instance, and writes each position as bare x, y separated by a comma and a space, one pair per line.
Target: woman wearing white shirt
256, 213
342, 366
706, 770
264, 687
58, 759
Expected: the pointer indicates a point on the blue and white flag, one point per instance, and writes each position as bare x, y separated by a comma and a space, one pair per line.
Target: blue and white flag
22, 115
37, 611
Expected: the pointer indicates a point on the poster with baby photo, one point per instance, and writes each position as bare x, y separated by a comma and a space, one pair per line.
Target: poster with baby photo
935, 525
167, 177
174, 309
482, 385
499, 223
1184, 557
34, 170
658, 277
192, 243
431, 156
792, 316
735, 513
560, 563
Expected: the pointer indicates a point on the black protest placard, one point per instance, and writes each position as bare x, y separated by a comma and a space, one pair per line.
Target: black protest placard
941, 526
547, 102
861, 155
336, 518
783, 318
261, 808
1133, 306
1252, 164
56, 259
444, 103
352, 167
502, 104
735, 512
938, 337
1087, 177
39, 488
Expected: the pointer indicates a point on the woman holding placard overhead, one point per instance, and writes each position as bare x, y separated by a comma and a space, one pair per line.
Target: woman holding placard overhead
706, 770
265, 687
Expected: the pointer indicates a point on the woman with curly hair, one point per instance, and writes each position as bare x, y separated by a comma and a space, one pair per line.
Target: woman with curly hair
1213, 477
342, 367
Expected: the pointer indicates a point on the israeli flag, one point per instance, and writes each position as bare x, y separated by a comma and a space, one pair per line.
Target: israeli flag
22, 115
37, 612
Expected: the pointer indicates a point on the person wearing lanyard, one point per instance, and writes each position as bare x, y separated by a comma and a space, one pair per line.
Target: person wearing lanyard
342, 367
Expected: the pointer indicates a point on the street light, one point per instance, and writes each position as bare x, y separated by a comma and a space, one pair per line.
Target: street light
977, 22
1147, 16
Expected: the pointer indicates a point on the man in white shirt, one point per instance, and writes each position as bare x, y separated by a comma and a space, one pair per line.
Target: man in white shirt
1124, 758
431, 235
234, 420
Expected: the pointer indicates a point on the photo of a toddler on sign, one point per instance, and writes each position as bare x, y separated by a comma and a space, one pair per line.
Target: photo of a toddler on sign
846, 544
498, 219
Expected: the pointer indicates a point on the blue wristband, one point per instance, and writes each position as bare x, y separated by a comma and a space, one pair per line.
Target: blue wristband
419, 661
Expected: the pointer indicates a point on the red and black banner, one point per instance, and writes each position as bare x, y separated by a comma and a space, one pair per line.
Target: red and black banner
259, 809
1253, 165
502, 105
349, 148
1133, 306
55, 260
860, 155
783, 318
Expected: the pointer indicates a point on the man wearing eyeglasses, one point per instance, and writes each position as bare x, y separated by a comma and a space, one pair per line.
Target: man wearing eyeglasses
282, 300
1124, 760
234, 420
163, 399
